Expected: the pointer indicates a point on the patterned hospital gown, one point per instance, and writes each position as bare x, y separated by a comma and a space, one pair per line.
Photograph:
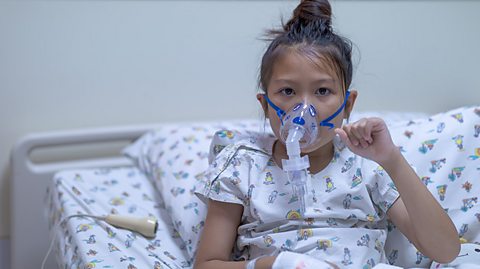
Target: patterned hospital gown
344, 222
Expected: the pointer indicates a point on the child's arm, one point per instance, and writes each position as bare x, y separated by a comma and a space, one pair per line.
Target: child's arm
218, 238
419, 216
416, 213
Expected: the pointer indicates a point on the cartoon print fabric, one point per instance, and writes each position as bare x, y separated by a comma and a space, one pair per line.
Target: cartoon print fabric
85, 243
175, 156
445, 149
342, 224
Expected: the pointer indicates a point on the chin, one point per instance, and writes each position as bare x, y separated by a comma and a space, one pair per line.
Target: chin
317, 147
310, 150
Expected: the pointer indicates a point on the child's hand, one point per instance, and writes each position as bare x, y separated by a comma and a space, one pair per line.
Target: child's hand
369, 138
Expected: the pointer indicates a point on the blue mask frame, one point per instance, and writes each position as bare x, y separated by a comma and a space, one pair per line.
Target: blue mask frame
326, 122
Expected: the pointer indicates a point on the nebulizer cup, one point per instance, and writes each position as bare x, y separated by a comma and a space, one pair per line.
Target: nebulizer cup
299, 130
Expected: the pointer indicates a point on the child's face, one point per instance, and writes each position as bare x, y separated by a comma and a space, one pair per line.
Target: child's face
296, 79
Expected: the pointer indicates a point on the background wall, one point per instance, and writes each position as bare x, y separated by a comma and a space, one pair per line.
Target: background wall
75, 64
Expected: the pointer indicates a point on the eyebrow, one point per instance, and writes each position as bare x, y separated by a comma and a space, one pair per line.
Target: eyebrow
323, 80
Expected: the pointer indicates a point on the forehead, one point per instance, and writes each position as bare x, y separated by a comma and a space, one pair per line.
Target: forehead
303, 63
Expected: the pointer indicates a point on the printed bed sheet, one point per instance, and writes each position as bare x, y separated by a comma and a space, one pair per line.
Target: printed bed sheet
83, 242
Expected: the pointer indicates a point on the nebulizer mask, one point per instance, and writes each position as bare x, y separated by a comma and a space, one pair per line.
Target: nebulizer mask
300, 129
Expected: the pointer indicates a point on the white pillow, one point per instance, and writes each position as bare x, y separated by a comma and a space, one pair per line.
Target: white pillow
173, 158
445, 151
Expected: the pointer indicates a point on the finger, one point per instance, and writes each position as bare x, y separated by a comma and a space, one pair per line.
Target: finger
378, 125
344, 137
369, 130
357, 131
348, 131
366, 131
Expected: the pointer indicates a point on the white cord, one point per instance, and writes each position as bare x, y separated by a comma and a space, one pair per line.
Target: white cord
58, 225
251, 264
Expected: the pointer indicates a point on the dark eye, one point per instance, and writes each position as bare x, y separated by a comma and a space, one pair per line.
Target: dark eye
287, 91
322, 91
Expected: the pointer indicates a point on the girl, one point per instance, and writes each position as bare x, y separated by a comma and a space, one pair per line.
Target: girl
357, 177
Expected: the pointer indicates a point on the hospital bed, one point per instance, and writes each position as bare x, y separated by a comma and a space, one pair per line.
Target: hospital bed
163, 160
30, 180
429, 85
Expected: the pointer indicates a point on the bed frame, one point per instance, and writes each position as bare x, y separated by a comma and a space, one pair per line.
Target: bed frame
29, 231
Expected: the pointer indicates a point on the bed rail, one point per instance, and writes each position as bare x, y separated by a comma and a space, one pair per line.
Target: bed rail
29, 231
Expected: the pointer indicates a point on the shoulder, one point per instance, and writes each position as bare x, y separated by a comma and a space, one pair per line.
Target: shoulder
226, 142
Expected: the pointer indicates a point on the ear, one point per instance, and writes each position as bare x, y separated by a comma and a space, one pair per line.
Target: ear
350, 103
263, 102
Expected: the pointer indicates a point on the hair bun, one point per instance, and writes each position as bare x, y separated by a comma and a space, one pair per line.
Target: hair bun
311, 11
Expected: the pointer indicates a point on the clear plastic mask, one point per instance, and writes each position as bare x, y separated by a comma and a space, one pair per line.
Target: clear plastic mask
303, 118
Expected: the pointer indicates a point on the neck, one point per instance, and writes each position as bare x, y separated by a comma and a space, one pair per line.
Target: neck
319, 158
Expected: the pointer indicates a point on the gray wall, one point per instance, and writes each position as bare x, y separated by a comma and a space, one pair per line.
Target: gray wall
75, 64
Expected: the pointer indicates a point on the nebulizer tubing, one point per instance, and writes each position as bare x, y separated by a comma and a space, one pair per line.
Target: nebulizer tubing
301, 126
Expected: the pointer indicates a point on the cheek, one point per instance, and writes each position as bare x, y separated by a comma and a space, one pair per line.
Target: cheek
275, 123
338, 120
329, 109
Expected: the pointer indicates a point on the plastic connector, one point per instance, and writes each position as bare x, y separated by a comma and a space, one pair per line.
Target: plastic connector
296, 166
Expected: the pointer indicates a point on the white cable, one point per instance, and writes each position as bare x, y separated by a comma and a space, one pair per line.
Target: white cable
50, 248
251, 264
146, 226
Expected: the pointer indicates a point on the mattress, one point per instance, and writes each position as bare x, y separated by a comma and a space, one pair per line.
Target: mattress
83, 242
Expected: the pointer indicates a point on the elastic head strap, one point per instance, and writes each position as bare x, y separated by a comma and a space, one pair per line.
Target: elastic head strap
280, 112
326, 122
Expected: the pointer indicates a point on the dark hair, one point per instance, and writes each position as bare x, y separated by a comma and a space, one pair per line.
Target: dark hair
310, 33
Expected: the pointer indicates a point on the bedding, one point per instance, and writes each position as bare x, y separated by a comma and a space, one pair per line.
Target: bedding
445, 149
174, 157
85, 243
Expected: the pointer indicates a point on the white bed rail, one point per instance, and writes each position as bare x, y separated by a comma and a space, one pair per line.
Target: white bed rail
29, 230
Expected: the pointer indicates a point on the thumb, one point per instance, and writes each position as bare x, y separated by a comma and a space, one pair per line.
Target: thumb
344, 137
